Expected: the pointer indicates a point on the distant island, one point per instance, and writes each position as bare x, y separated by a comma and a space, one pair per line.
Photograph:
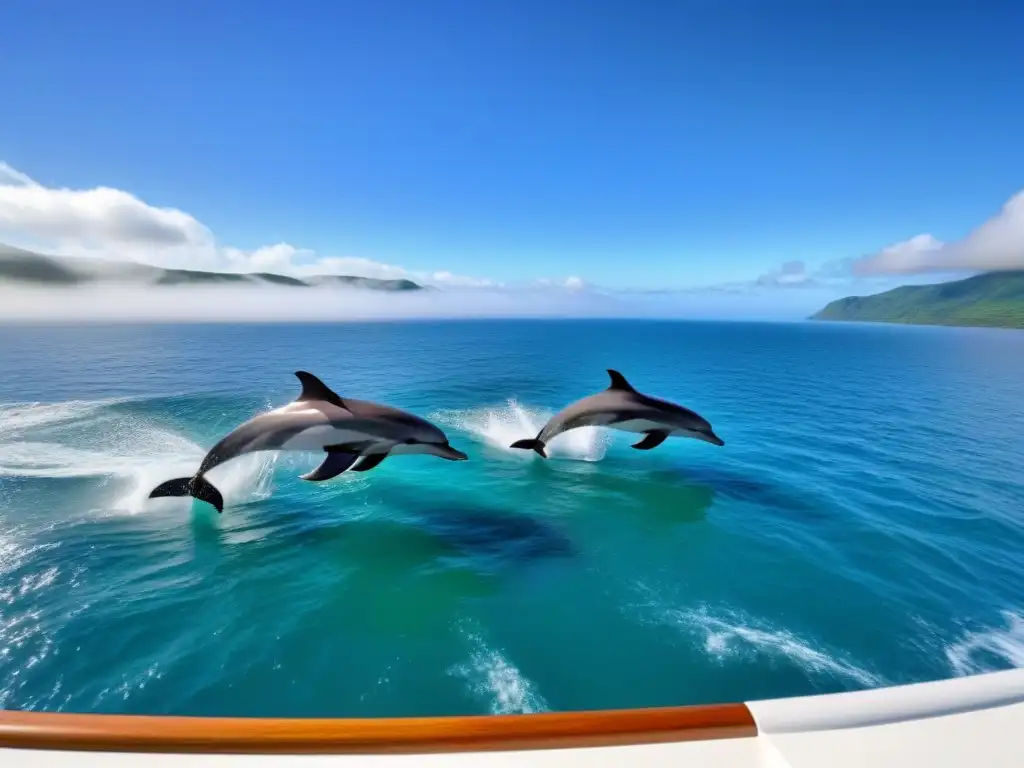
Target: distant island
993, 299
28, 268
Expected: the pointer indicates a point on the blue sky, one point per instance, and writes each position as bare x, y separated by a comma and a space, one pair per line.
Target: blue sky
634, 145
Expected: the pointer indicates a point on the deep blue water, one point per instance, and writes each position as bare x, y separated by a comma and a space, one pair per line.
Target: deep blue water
863, 525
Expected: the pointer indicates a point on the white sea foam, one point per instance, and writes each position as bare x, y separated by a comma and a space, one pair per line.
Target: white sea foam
728, 635
734, 635
991, 649
492, 677
132, 453
17, 418
501, 426
245, 479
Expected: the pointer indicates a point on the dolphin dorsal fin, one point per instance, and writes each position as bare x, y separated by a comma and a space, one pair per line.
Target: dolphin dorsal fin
619, 382
314, 389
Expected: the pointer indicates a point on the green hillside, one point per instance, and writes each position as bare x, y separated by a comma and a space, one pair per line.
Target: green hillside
366, 282
994, 299
25, 267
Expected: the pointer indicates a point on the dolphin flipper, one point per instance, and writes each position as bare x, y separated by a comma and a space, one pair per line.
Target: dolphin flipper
369, 461
314, 389
336, 462
652, 440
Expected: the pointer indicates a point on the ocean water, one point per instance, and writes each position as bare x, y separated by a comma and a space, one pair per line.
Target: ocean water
862, 526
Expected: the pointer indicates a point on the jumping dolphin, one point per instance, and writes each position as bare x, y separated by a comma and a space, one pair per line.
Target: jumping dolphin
622, 407
319, 420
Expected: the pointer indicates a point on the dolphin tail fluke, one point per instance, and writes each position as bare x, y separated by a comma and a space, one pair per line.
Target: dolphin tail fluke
531, 444
197, 487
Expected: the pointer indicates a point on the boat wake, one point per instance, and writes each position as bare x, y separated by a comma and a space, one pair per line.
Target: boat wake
500, 426
127, 455
989, 650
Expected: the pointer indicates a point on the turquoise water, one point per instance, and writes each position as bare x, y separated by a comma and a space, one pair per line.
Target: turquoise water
862, 526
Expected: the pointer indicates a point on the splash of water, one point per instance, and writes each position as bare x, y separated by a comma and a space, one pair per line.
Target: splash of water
245, 479
131, 453
17, 418
502, 426
492, 677
734, 636
730, 635
989, 650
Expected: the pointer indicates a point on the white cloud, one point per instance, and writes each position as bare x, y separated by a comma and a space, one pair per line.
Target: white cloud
461, 281
282, 257
12, 177
92, 216
917, 254
571, 284
996, 245
574, 283
113, 224
791, 274
109, 303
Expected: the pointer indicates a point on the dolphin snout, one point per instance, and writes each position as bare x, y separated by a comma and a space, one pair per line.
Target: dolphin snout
452, 454
715, 439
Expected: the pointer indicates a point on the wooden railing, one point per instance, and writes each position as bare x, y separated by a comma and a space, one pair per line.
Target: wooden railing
132, 733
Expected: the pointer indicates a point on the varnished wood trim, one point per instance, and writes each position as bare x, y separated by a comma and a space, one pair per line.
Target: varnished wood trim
132, 733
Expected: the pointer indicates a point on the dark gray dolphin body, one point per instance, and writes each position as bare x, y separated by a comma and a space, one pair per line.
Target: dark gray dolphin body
621, 407
348, 430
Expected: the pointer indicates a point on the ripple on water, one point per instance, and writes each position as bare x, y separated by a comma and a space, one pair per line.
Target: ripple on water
867, 500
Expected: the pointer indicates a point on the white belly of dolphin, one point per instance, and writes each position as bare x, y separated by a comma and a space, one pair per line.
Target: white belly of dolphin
639, 426
315, 438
